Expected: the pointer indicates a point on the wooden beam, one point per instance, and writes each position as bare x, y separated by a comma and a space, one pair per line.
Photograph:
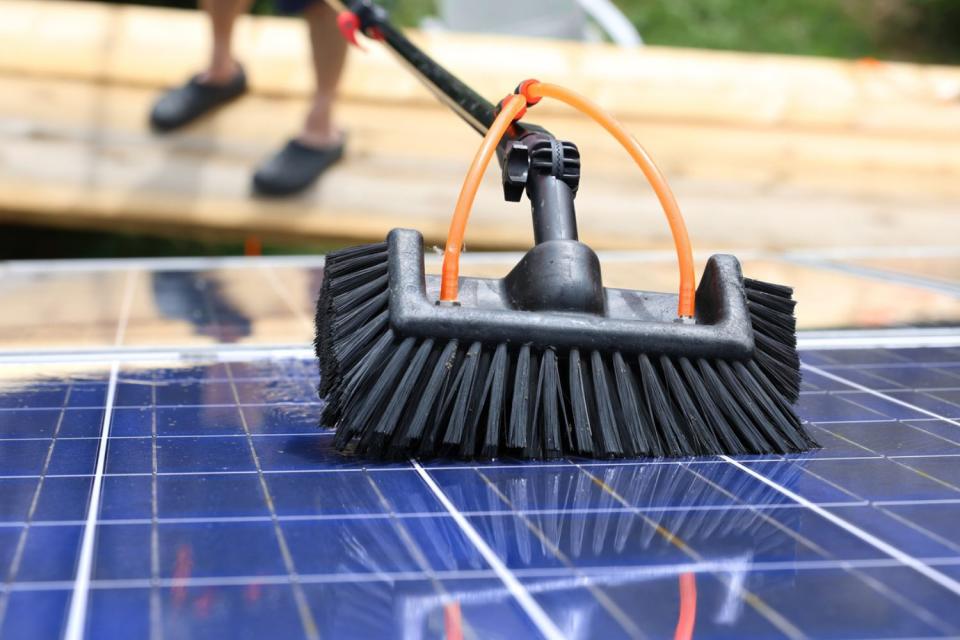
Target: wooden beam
78, 154
762, 151
158, 47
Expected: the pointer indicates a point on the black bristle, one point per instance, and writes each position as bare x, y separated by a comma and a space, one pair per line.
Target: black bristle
582, 429
440, 419
661, 412
746, 431
477, 407
393, 396
636, 432
417, 417
495, 412
554, 416
465, 391
607, 434
710, 410
699, 433
520, 402
534, 426
385, 427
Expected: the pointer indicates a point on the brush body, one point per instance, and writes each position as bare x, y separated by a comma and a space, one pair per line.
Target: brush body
449, 386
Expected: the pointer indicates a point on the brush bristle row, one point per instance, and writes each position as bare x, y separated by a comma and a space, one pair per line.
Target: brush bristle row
393, 397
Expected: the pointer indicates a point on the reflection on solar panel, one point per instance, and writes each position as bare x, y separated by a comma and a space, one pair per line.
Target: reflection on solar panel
178, 488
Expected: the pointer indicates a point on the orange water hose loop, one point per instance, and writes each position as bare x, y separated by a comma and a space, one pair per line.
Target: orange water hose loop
510, 109
530, 92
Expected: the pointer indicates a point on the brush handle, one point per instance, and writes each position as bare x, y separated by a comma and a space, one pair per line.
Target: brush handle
373, 21
473, 108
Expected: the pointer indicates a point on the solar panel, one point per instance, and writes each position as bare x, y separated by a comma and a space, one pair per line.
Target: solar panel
178, 487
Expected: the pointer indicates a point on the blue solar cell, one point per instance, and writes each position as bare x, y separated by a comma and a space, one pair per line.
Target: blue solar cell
50, 553
129, 455
81, 423
226, 611
308, 452
837, 408
373, 545
203, 420
73, 457
773, 535
131, 422
291, 418
652, 604
884, 522
835, 445
304, 494
195, 393
33, 396
126, 497
414, 608
893, 438
875, 479
951, 396
276, 390
134, 394
890, 409
23, 457
198, 454
87, 394
911, 377
947, 431
16, 494
220, 549
35, 614
123, 552
937, 520
28, 423
9, 537
119, 613
804, 480
199, 496
63, 498
944, 469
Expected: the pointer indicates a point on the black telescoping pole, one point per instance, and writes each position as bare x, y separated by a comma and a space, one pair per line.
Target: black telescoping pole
473, 108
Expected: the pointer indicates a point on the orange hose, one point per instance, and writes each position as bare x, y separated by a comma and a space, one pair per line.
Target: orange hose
687, 619
513, 106
681, 239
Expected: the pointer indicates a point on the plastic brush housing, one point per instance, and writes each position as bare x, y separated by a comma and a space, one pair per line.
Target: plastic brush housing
585, 371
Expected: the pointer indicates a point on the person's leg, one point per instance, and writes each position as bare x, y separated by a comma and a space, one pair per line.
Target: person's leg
329, 51
223, 67
319, 144
221, 82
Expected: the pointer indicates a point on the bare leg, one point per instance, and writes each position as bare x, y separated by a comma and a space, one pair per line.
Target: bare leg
329, 52
223, 13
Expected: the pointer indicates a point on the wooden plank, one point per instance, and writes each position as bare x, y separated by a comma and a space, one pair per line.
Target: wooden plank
77, 154
156, 47
763, 151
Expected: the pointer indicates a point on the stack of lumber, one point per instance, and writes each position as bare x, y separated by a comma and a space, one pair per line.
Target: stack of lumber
763, 151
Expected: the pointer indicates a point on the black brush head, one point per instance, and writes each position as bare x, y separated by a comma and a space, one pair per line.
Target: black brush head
543, 367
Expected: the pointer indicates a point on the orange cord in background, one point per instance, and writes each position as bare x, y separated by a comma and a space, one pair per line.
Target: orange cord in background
512, 108
688, 607
530, 92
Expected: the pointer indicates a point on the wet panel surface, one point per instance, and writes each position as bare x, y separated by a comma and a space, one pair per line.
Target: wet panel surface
224, 512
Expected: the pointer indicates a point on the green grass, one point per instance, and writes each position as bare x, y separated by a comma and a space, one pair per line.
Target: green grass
813, 27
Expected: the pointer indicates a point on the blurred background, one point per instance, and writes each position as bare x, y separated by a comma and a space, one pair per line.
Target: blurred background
764, 152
